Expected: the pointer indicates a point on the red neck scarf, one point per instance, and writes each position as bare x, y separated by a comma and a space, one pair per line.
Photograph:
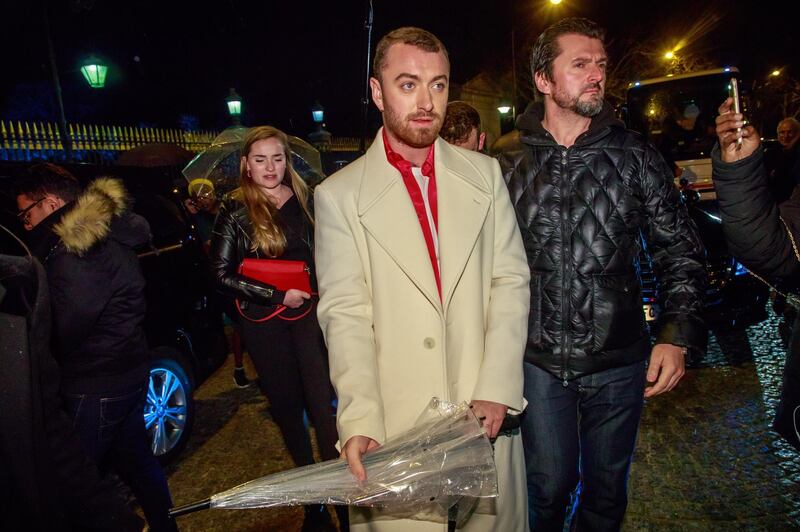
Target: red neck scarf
404, 167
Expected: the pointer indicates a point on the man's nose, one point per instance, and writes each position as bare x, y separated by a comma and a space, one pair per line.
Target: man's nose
425, 100
595, 73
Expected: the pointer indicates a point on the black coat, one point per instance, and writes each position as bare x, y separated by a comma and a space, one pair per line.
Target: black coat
751, 219
765, 239
583, 212
96, 289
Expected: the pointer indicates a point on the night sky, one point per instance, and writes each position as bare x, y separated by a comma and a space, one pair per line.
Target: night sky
172, 62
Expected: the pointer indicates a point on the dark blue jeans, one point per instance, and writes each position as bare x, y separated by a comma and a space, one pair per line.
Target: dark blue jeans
111, 428
580, 436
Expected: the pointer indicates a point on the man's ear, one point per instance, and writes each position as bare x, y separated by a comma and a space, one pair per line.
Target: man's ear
377, 93
481, 140
54, 203
542, 83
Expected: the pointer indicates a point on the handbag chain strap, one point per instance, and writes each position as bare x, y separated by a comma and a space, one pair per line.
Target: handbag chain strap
792, 299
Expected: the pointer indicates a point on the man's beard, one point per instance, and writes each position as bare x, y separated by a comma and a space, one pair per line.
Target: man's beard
412, 136
587, 109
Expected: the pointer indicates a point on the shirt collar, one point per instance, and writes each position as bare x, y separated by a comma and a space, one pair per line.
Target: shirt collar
397, 160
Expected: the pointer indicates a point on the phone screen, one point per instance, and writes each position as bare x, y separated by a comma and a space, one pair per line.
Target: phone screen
737, 106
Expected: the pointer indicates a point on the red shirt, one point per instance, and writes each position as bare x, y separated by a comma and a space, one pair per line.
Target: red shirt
404, 167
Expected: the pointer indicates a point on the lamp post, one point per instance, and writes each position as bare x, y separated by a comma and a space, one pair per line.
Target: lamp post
362, 145
504, 109
66, 141
513, 74
320, 138
94, 72
234, 102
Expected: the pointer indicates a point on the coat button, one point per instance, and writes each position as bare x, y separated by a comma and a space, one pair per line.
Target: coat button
429, 343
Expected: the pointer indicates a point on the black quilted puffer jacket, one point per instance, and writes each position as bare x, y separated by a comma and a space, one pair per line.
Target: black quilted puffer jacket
583, 212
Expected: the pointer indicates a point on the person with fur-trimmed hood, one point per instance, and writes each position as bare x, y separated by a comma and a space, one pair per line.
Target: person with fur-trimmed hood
86, 243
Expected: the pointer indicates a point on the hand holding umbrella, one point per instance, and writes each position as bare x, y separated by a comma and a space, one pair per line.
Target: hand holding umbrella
444, 457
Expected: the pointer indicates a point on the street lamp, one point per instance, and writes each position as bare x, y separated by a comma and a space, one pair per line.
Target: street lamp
94, 71
775, 73
234, 102
506, 120
317, 113
320, 138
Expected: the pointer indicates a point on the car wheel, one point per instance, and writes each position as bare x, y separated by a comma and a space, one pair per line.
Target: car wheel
169, 408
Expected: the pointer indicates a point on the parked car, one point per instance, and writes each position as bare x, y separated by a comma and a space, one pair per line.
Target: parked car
183, 324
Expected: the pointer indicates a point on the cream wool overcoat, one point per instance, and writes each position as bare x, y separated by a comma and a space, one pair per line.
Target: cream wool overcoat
393, 343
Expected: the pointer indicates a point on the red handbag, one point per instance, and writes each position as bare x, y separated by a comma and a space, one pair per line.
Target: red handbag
283, 275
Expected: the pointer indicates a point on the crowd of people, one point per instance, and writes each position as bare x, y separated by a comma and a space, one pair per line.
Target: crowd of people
434, 271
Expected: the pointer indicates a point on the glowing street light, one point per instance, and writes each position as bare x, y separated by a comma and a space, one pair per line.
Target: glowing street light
504, 109
555, 2
234, 102
669, 55
317, 113
775, 73
94, 71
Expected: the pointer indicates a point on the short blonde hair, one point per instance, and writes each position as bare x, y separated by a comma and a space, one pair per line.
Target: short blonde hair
422, 39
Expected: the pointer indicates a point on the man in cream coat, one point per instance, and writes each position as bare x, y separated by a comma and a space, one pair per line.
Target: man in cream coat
424, 284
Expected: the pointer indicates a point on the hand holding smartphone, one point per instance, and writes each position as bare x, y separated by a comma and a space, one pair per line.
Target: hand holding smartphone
737, 108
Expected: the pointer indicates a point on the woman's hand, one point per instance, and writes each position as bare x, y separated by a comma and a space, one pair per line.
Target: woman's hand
295, 298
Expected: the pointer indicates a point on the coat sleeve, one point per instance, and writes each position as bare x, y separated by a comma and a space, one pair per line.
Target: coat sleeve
225, 265
345, 316
678, 257
751, 221
500, 378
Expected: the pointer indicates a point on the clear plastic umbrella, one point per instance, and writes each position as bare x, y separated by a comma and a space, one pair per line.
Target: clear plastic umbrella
219, 163
445, 458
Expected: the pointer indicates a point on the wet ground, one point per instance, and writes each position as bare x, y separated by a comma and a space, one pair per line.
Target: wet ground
705, 460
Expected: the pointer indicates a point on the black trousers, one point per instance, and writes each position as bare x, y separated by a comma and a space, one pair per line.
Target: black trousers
292, 365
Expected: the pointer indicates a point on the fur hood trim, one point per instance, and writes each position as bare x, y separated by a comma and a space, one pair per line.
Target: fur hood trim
89, 220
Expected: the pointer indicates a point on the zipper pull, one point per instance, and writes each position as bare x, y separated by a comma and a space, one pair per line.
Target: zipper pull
565, 383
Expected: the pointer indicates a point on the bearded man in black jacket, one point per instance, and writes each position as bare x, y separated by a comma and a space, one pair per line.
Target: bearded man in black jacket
588, 194
86, 244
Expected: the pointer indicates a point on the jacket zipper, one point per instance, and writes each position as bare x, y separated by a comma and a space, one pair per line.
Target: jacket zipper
565, 259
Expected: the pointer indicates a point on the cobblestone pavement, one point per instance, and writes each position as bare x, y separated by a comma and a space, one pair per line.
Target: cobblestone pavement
705, 459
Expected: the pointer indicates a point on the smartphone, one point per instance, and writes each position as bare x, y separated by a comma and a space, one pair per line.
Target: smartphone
737, 107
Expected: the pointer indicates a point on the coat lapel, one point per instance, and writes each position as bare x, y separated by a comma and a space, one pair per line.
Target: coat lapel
386, 212
464, 200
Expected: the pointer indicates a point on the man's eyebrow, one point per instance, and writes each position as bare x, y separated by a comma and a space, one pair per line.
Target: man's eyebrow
589, 58
417, 78
406, 75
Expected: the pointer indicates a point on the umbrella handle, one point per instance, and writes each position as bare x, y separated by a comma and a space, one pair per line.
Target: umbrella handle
510, 423
452, 517
205, 504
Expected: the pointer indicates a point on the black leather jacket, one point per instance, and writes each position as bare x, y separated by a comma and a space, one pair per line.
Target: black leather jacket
584, 212
230, 244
